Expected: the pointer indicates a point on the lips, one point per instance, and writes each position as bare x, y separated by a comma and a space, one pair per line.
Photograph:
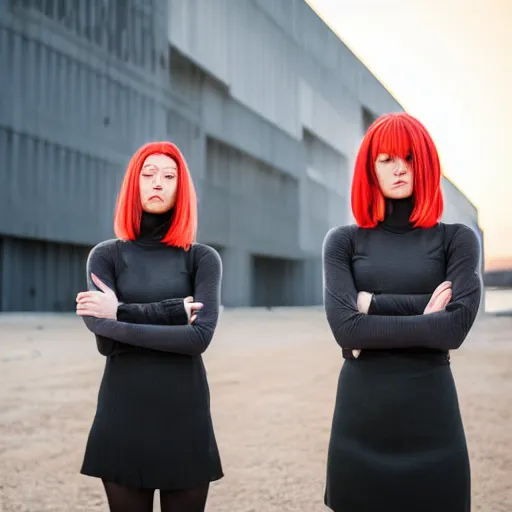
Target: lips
399, 183
152, 198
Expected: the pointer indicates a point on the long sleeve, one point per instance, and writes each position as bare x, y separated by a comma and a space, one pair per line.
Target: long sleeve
445, 330
400, 305
101, 262
184, 339
164, 312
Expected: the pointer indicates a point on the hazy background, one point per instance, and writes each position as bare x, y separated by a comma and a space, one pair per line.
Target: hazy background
267, 104
449, 63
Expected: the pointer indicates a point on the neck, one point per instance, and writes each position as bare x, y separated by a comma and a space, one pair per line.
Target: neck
153, 227
398, 212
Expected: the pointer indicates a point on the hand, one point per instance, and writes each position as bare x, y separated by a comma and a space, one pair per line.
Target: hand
192, 308
440, 298
101, 304
363, 302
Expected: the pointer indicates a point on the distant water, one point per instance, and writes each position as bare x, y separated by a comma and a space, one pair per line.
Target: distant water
498, 300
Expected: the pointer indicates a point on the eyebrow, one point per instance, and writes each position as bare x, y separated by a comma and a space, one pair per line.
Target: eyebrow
153, 166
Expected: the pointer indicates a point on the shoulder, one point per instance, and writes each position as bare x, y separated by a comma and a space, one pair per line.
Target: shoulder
340, 237
461, 241
460, 233
104, 249
205, 255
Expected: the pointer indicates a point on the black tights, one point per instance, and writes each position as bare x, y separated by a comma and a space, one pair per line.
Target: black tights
125, 499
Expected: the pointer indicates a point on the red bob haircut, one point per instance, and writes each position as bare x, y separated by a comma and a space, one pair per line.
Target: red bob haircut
397, 135
128, 212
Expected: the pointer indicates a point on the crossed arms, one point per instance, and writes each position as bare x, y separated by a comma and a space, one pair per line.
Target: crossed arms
157, 325
407, 326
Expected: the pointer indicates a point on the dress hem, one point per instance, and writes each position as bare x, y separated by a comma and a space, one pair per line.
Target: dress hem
144, 485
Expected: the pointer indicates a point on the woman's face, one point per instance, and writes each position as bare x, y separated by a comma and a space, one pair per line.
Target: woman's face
158, 182
394, 176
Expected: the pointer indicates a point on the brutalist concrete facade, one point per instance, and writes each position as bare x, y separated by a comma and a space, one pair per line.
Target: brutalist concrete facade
266, 103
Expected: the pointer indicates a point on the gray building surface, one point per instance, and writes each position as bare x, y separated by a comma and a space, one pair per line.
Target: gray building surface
458, 208
266, 103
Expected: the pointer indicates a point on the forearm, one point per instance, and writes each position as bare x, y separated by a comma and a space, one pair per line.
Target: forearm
396, 304
165, 312
107, 346
181, 339
104, 345
445, 330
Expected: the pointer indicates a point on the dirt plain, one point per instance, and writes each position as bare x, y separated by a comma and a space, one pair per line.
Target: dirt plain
273, 378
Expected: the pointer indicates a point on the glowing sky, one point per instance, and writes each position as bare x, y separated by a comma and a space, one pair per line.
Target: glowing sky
449, 63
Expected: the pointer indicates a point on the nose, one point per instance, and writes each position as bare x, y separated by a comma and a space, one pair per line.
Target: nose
400, 168
157, 181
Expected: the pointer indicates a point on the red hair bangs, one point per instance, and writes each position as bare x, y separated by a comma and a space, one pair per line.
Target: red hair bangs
128, 212
397, 135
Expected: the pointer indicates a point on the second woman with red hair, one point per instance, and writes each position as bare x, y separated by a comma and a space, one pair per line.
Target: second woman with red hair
401, 290
153, 428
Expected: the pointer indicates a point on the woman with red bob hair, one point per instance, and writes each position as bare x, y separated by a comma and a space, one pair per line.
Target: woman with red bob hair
401, 289
153, 303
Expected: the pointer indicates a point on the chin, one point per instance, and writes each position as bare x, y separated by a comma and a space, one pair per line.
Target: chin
157, 208
399, 194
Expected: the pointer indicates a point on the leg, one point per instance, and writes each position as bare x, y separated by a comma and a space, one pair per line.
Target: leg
186, 500
125, 499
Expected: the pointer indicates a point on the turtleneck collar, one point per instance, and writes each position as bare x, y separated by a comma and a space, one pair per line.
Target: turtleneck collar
153, 227
398, 212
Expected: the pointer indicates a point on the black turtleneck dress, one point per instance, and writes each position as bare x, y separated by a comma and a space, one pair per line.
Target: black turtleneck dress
153, 428
397, 441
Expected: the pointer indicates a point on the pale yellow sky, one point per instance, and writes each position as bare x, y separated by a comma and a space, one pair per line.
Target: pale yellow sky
449, 63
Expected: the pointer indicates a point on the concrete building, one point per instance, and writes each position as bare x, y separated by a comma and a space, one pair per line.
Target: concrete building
266, 103
458, 208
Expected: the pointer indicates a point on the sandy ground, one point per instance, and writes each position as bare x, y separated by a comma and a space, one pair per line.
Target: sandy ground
273, 378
